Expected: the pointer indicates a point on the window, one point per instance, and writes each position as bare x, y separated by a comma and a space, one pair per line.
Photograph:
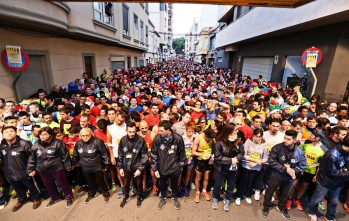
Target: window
213, 43
142, 30
125, 20
135, 25
146, 34
99, 9
162, 6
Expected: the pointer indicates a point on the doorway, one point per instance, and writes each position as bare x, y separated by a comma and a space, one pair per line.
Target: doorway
89, 65
33, 78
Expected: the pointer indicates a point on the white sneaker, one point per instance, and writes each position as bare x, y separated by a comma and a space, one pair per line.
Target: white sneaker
257, 195
193, 186
238, 201
248, 200
312, 217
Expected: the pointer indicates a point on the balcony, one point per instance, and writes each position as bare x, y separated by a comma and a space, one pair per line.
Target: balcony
225, 12
324, 12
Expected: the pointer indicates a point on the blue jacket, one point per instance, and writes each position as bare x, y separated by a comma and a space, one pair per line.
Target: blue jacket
334, 167
281, 155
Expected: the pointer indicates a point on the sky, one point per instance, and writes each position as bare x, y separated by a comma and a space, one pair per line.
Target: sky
183, 15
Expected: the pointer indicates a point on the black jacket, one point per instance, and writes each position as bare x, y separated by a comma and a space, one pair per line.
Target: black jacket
133, 153
167, 156
222, 156
281, 155
92, 155
49, 158
334, 167
15, 158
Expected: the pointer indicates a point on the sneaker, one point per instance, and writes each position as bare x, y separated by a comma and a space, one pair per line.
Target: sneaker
113, 187
124, 201
321, 207
69, 204
312, 217
192, 186
288, 204
120, 194
299, 205
155, 190
238, 201
226, 205
17, 206
186, 191
248, 200
80, 191
162, 203
284, 213
50, 203
139, 202
176, 203
265, 213
197, 197
88, 199
133, 191
206, 195
36, 204
106, 199
325, 219
214, 203
346, 207
257, 195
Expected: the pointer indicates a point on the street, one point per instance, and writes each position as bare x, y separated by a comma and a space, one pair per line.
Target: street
98, 210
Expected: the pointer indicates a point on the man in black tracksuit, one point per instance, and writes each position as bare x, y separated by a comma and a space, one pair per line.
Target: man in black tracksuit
286, 161
332, 175
14, 155
93, 156
133, 155
167, 156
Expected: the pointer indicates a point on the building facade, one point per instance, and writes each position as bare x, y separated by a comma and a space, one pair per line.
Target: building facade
65, 39
161, 16
202, 45
270, 42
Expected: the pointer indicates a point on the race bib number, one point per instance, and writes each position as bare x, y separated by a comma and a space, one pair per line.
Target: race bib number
187, 153
256, 156
310, 158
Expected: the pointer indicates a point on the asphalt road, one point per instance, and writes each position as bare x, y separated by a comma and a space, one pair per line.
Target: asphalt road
97, 209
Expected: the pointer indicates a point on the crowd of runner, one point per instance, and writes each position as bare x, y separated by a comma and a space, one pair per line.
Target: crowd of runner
171, 128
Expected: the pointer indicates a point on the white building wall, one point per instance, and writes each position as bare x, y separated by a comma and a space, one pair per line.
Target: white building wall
259, 23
